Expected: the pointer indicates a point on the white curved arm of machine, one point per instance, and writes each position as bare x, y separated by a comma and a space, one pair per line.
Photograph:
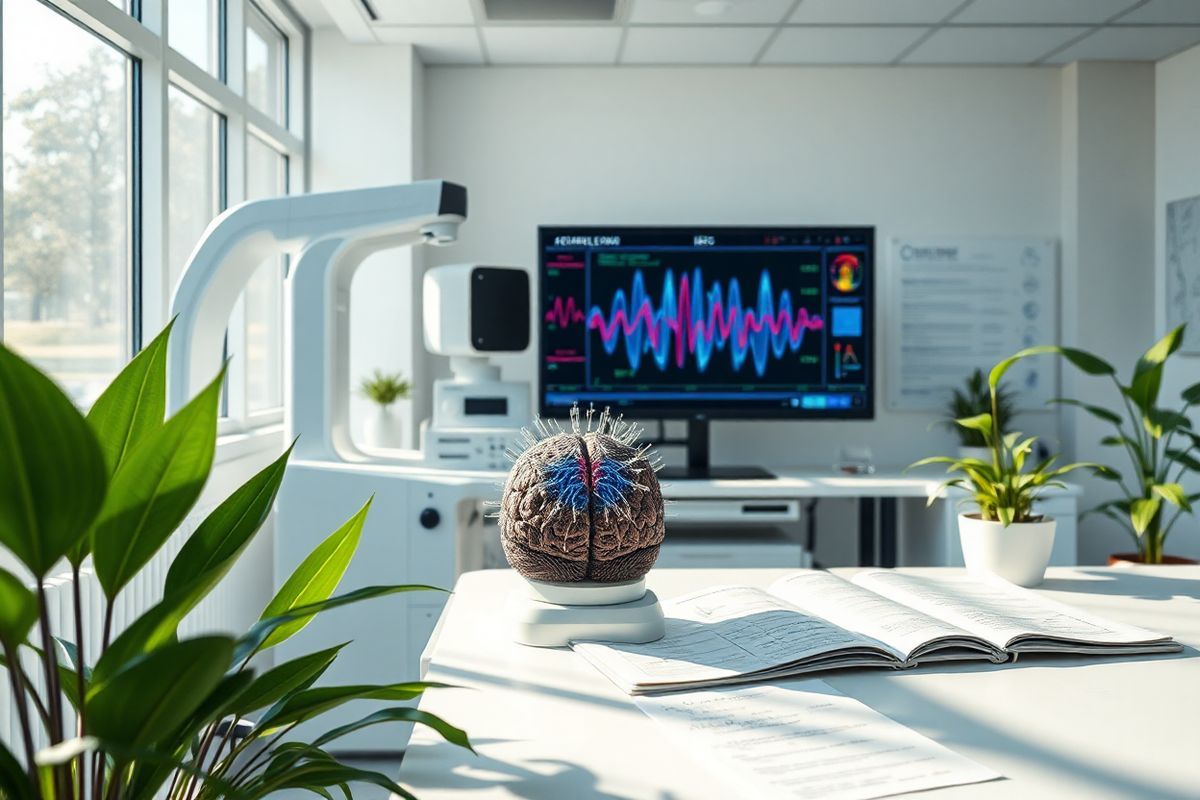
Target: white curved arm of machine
327, 236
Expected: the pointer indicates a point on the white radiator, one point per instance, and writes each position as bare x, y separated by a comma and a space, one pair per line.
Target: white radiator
228, 608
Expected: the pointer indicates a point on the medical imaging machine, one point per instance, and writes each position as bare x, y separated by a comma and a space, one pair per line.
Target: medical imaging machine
422, 515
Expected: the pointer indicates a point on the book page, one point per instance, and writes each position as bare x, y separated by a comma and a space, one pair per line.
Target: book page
861, 610
804, 739
717, 633
999, 611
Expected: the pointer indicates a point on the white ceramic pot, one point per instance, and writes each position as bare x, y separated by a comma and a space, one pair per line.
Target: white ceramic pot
981, 453
1018, 553
383, 428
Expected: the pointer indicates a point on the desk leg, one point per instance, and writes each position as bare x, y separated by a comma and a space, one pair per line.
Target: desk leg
866, 532
887, 531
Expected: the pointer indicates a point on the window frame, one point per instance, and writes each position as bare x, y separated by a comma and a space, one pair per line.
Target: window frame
141, 34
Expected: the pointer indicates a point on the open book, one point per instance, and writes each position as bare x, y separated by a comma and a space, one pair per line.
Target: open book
813, 620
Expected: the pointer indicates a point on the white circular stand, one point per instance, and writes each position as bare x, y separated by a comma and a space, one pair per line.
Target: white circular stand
555, 614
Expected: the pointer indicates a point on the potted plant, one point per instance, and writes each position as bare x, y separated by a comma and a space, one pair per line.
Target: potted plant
154, 714
972, 400
1005, 537
1160, 443
384, 428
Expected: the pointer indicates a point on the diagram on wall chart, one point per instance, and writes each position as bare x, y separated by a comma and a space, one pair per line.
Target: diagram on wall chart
962, 303
1183, 269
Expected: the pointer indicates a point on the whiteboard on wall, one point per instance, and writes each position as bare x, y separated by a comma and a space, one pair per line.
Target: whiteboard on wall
1183, 269
961, 303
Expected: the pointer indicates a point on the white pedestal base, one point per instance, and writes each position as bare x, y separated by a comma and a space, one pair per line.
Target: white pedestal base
555, 614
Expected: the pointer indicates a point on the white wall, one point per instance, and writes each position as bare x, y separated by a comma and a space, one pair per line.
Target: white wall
1177, 158
364, 133
957, 151
1107, 256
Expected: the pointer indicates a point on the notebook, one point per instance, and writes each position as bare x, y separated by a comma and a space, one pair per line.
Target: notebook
813, 621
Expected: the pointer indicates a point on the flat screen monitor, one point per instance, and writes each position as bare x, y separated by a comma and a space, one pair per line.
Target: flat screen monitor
708, 322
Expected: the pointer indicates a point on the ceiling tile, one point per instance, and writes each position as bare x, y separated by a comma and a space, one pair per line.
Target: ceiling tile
840, 45
436, 45
1130, 44
1165, 12
424, 12
1063, 12
552, 45
994, 45
866, 12
693, 45
709, 12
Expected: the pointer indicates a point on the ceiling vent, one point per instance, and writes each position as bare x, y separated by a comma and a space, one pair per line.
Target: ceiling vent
550, 10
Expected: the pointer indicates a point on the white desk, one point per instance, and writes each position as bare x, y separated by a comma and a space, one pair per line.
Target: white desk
877, 495
547, 725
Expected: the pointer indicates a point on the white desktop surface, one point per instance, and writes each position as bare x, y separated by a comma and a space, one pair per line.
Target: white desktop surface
548, 725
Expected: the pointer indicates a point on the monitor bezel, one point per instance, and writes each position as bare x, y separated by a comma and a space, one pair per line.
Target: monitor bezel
638, 411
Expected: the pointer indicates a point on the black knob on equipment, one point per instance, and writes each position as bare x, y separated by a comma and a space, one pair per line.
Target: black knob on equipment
429, 518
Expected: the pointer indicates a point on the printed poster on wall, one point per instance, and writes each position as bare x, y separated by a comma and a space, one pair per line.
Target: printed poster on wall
961, 303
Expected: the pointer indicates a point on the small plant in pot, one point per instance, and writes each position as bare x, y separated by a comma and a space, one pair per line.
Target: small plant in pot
384, 428
1161, 444
970, 400
1005, 537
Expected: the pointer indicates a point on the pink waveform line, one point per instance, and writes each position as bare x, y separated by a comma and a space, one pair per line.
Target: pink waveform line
564, 313
723, 323
565, 359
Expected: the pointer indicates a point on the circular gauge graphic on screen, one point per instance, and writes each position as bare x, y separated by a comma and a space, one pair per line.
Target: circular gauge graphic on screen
846, 273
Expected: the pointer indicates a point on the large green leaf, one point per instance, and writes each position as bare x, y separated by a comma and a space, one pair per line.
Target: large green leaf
1173, 493
1161, 350
254, 639
158, 691
1142, 511
154, 489
18, 610
52, 472
154, 628
14, 781
316, 577
400, 714
313, 702
1143, 389
997, 373
134, 403
1086, 362
1191, 395
1184, 458
127, 411
325, 773
278, 682
980, 422
208, 553
1159, 421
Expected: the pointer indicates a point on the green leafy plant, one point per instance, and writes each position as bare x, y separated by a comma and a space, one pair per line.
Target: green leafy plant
1003, 488
385, 388
973, 399
1160, 443
154, 712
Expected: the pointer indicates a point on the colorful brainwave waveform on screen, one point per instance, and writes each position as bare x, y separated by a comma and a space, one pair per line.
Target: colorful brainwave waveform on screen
693, 321
563, 312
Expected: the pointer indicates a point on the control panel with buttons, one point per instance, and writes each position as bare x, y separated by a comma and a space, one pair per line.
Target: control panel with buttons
470, 448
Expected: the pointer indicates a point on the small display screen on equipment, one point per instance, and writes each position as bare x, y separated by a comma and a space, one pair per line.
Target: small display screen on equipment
485, 406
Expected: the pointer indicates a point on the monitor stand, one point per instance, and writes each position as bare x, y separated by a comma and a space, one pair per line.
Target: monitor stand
698, 467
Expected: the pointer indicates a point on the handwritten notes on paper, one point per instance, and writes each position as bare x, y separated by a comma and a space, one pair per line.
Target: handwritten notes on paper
804, 739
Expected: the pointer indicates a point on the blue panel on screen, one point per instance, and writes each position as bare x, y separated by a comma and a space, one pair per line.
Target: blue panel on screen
847, 321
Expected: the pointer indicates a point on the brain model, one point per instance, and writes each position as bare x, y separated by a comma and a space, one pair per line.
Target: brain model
582, 504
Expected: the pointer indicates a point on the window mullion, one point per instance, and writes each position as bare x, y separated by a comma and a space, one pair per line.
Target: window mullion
155, 278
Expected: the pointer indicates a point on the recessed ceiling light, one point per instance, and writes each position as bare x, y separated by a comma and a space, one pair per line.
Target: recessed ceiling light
712, 8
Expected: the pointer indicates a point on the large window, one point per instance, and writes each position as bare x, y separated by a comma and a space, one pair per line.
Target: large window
66, 198
122, 138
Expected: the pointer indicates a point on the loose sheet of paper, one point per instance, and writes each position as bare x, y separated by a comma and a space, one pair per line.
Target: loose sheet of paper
804, 739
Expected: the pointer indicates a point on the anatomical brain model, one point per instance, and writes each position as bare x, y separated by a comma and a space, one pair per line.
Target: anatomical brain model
582, 503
